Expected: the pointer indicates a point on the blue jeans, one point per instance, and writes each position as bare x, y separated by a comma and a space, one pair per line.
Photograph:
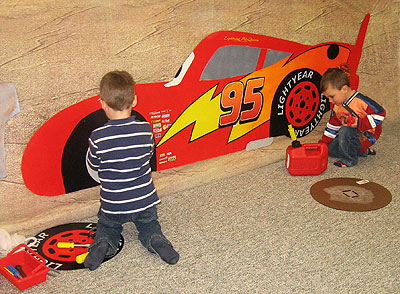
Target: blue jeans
109, 227
345, 146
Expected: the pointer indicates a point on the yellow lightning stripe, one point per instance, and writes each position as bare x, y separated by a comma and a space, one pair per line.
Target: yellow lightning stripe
204, 113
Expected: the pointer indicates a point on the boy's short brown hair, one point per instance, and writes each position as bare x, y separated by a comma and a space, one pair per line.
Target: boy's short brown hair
335, 77
117, 90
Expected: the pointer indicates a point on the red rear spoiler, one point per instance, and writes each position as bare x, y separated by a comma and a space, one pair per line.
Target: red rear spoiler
356, 53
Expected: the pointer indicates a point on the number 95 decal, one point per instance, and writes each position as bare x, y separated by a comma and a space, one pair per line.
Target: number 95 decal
243, 101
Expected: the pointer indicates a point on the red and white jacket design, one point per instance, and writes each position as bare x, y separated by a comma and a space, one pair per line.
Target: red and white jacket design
370, 116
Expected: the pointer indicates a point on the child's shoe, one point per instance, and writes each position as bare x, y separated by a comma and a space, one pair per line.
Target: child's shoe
164, 249
339, 164
96, 255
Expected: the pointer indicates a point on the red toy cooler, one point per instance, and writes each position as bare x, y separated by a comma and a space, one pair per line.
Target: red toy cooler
308, 159
33, 265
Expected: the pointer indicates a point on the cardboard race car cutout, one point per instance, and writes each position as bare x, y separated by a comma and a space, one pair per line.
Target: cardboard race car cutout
235, 88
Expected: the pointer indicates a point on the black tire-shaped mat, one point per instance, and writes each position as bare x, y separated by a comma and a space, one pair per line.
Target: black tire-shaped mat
45, 244
350, 194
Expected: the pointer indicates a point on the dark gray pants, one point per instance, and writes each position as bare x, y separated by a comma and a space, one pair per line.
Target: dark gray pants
109, 227
345, 146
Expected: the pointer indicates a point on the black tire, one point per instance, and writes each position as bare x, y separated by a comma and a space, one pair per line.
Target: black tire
74, 172
298, 101
45, 244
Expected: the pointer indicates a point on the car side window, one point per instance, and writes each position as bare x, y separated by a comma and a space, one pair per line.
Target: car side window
231, 61
273, 56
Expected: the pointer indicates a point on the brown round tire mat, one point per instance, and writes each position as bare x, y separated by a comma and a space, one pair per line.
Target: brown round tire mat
350, 194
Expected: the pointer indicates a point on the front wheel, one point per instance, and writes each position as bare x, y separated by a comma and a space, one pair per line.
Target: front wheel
298, 101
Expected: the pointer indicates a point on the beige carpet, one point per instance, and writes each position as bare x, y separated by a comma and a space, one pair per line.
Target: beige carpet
260, 232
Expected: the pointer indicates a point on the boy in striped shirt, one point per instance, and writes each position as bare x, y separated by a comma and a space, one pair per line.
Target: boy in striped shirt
119, 158
356, 120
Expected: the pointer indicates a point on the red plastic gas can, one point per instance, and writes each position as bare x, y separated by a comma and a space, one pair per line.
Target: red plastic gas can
308, 159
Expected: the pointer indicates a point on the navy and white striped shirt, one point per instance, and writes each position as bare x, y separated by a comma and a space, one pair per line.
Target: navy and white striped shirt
120, 153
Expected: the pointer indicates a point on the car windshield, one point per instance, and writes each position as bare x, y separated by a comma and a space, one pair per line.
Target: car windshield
231, 61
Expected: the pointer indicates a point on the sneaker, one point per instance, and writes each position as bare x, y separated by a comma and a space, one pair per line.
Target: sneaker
339, 164
371, 151
164, 249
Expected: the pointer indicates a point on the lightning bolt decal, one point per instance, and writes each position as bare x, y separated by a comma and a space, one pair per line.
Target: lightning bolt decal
239, 106
204, 113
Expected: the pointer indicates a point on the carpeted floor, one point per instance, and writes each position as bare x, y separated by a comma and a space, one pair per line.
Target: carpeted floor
260, 232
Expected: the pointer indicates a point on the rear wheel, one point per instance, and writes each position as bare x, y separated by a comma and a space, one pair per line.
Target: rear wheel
74, 172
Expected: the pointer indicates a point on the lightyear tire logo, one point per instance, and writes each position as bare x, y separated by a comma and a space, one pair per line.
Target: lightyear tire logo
298, 102
45, 244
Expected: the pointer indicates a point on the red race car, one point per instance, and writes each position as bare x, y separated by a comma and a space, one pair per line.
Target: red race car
235, 89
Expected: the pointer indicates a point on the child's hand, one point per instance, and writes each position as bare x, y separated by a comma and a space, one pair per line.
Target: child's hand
352, 121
